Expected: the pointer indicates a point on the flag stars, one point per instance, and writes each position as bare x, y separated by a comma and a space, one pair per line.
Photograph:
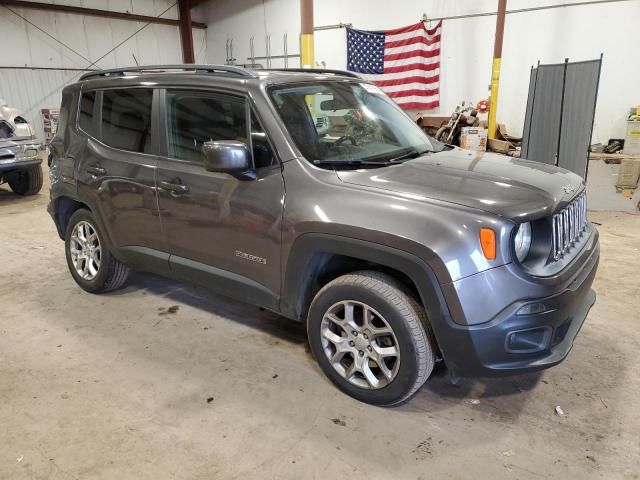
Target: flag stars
365, 51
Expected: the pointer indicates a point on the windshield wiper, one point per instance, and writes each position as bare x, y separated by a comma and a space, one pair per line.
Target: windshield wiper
407, 156
354, 161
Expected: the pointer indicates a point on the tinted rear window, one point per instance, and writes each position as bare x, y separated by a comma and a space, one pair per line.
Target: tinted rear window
87, 122
126, 119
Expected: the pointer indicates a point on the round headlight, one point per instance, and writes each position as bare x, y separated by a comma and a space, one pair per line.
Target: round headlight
522, 241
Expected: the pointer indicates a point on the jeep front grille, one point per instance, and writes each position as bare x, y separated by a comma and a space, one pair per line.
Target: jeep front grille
568, 225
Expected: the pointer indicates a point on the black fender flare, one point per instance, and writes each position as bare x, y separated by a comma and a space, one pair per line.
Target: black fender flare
300, 271
70, 194
453, 341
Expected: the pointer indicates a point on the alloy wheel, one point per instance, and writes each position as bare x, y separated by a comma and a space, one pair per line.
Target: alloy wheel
85, 250
360, 344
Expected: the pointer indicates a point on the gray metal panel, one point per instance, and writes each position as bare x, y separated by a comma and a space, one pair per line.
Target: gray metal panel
527, 116
581, 88
546, 114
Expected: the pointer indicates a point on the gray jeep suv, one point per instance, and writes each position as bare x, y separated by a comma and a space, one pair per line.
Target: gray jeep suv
396, 251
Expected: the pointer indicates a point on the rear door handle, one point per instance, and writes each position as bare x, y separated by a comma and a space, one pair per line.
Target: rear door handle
174, 189
96, 170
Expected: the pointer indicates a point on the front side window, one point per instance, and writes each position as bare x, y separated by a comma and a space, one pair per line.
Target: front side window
196, 117
126, 119
338, 122
263, 155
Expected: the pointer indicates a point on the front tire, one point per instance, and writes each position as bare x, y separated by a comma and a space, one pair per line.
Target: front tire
91, 264
370, 338
27, 182
443, 133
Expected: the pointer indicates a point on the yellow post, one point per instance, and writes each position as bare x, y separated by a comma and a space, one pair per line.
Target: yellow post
493, 104
306, 34
306, 50
495, 67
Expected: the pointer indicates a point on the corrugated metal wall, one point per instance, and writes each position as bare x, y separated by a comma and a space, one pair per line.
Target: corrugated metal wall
32, 90
91, 38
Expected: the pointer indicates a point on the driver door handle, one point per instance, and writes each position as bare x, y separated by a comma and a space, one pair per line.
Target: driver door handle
174, 189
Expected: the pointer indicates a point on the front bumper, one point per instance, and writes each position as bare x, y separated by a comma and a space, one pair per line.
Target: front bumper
510, 343
25, 154
18, 147
18, 165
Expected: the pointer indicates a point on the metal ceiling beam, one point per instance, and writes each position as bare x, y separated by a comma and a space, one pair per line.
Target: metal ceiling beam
94, 12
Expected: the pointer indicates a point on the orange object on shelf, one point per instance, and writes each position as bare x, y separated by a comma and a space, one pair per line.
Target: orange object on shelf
483, 106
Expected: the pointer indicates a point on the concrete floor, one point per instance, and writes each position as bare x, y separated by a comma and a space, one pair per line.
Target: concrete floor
110, 387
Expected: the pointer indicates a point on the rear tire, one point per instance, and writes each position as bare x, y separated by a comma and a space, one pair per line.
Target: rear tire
90, 262
28, 182
383, 360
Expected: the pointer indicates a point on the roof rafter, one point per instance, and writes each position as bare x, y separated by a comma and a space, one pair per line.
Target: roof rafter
94, 12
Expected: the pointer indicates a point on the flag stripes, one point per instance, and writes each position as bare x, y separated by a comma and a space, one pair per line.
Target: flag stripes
404, 62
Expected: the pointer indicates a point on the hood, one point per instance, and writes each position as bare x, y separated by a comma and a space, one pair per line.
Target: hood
19, 128
498, 184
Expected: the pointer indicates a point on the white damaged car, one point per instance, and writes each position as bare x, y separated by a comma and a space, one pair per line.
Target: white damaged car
20, 163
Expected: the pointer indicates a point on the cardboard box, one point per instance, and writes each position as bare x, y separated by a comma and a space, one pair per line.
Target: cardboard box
629, 173
499, 146
632, 140
473, 138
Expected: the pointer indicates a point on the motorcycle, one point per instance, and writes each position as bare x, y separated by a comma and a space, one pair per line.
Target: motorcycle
465, 115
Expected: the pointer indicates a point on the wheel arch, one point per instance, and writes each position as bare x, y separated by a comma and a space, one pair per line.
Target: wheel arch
315, 259
64, 206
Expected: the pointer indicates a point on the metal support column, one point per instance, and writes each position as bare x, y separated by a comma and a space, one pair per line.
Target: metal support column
495, 68
186, 34
306, 34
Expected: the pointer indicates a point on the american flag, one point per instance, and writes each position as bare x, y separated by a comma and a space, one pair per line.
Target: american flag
404, 62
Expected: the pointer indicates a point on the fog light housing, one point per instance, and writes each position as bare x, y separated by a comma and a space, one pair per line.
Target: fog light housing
532, 308
532, 340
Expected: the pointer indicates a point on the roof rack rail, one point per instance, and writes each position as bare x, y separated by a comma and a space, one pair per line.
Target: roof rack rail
242, 72
345, 73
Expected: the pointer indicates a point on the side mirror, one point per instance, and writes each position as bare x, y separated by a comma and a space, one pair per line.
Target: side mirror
226, 156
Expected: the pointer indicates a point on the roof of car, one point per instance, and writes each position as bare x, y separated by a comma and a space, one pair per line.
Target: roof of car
228, 72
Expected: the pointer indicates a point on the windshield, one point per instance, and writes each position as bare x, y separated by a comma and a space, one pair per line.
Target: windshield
340, 122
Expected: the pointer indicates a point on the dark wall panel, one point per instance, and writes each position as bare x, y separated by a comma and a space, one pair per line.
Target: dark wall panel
526, 131
577, 115
559, 116
545, 114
